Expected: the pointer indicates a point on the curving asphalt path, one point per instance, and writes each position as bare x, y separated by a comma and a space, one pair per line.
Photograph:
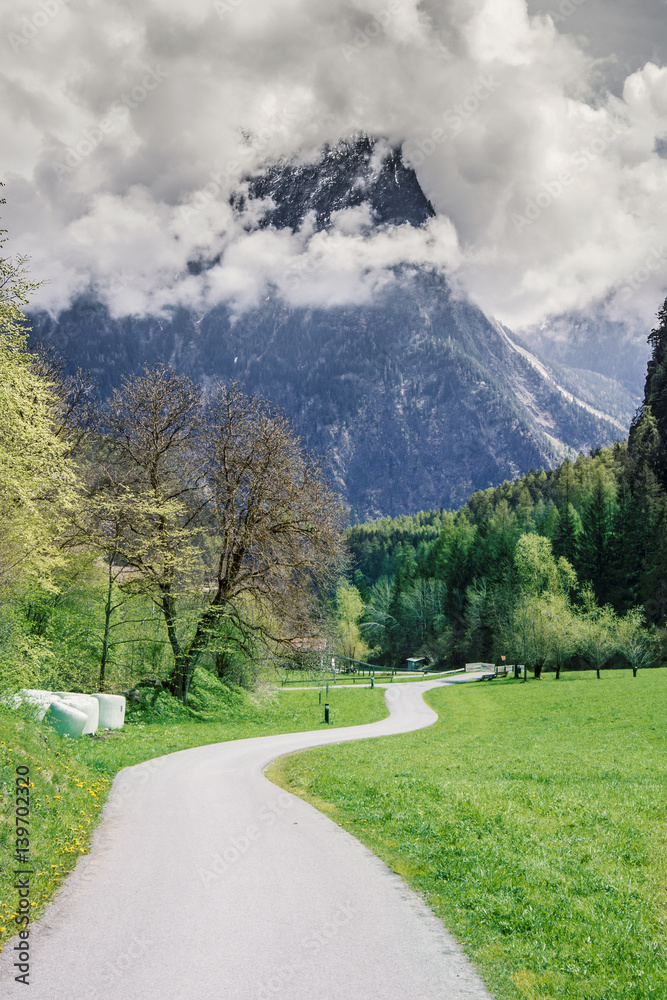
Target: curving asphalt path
207, 882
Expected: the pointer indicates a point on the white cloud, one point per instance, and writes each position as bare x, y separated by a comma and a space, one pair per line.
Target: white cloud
131, 123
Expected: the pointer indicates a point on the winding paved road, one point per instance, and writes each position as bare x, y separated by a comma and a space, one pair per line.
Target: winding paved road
205, 881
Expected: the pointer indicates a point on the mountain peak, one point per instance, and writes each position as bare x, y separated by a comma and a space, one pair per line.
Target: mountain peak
352, 173
412, 399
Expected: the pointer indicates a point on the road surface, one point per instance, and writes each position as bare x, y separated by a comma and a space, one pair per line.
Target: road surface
207, 882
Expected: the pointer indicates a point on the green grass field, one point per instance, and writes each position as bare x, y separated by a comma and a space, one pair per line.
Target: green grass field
533, 819
70, 779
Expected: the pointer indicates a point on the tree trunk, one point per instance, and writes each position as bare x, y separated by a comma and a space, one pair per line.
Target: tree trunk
179, 681
558, 672
107, 627
181, 676
186, 660
634, 671
222, 665
598, 673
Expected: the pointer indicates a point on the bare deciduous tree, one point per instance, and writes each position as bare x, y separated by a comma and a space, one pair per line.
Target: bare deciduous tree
224, 513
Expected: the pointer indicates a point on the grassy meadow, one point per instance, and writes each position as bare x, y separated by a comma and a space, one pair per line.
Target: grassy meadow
532, 818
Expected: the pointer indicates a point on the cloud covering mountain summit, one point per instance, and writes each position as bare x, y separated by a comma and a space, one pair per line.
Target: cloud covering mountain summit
133, 127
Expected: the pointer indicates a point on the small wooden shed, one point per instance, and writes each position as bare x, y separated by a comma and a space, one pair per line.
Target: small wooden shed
416, 662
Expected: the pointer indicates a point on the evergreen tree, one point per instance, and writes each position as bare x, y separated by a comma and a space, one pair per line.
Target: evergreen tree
595, 549
568, 528
459, 576
655, 402
641, 567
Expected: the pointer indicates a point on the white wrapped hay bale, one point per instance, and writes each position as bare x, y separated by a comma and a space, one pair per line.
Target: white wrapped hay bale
65, 719
112, 710
40, 700
89, 706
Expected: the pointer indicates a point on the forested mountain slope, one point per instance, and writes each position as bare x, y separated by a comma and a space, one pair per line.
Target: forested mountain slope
540, 566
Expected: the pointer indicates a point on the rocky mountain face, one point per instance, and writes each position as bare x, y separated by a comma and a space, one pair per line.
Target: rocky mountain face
595, 342
347, 176
412, 402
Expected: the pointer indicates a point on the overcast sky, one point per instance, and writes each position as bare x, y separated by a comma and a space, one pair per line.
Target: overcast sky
538, 131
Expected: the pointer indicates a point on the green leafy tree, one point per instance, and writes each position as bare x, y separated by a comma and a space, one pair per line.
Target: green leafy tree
598, 635
542, 605
529, 639
349, 611
38, 485
640, 645
562, 627
378, 621
537, 570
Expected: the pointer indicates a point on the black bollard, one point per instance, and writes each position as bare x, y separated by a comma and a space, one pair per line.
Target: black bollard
326, 711
320, 697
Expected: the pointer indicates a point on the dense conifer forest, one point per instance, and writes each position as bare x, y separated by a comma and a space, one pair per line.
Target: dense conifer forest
560, 567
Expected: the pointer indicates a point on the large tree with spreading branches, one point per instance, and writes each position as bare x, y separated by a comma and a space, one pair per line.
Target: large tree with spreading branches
219, 515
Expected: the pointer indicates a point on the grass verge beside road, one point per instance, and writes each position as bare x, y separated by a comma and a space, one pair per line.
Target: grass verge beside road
533, 820
70, 778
